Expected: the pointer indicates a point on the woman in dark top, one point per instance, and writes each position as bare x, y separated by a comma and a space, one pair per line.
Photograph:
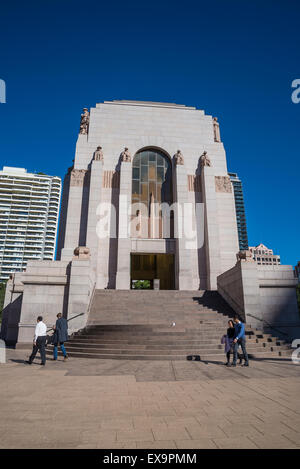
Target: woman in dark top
228, 340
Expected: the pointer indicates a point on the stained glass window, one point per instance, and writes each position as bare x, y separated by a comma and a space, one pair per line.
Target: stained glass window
152, 183
151, 174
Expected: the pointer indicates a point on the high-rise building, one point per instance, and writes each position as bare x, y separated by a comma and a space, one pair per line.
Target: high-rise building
29, 207
297, 271
240, 211
263, 255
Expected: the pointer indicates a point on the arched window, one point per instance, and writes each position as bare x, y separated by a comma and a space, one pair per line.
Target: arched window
152, 193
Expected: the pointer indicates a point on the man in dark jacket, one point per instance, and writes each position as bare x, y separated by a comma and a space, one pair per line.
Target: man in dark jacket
239, 339
60, 336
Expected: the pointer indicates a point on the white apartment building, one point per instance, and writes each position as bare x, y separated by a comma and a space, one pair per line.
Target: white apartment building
263, 255
29, 208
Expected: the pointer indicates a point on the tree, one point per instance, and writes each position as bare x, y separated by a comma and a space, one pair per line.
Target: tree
142, 285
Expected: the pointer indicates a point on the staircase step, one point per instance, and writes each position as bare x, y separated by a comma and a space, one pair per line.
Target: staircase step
135, 325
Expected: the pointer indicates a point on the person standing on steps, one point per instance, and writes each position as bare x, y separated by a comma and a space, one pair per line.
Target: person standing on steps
227, 339
239, 339
60, 336
39, 341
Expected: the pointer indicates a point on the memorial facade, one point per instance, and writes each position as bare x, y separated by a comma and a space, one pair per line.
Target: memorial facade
148, 200
156, 173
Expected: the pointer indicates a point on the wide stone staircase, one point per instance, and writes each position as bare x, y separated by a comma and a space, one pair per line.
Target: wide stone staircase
163, 325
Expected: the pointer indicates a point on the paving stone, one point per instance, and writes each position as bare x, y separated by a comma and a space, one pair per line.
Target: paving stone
234, 443
119, 404
275, 442
170, 433
203, 443
135, 435
163, 444
205, 431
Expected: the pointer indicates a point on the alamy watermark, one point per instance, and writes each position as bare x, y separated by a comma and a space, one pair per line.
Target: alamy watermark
296, 352
296, 93
183, 221
2, 352
2, 91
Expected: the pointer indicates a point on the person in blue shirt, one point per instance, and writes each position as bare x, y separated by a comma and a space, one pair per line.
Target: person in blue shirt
239, 339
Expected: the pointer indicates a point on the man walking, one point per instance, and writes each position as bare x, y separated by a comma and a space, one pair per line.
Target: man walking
39, 341
239, 339
60, 336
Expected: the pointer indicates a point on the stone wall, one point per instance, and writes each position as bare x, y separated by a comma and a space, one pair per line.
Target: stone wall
46, 289
264, 296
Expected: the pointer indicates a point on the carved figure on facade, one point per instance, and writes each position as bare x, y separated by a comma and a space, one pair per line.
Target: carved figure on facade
126, 156
77, 177
98, 155
179, 159
245, 256
223, 184
84, 122
204, 160
217, 136
82, 252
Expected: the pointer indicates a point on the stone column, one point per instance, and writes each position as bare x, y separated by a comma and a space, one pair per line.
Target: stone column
80, 289
124, 240
183, 253
73, 213
94, 201
211, 229
106, 227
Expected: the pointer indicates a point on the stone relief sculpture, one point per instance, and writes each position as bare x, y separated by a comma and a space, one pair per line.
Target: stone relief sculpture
216, 125
82, 252
179, 158
223, 184
126, 156
204, 160
98, 155
84, 122
77, 177
245, 256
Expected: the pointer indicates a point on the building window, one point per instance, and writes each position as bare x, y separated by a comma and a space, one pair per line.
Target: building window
152, 186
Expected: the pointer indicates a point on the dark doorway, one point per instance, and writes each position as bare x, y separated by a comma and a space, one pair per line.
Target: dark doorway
154, 266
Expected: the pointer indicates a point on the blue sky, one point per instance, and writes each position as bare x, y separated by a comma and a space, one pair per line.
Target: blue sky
235, 59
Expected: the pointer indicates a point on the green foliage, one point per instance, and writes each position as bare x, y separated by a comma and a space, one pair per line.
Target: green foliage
141, 285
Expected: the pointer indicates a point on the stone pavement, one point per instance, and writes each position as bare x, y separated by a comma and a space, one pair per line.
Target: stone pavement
88, 403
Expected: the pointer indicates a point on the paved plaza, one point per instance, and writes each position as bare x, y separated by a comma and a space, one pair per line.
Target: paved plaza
87, 403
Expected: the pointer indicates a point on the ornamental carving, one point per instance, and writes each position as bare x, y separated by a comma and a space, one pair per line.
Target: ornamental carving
245, 256
82, 252
126, 156
98, 155
179, 158
84, 122
77, 177
217, 136
111, 180
204, 160
223, 184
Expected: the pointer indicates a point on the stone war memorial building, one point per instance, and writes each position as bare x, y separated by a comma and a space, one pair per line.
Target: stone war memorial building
148, 201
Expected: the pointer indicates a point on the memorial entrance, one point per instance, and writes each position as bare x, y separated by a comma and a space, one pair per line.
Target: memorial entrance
146, 268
